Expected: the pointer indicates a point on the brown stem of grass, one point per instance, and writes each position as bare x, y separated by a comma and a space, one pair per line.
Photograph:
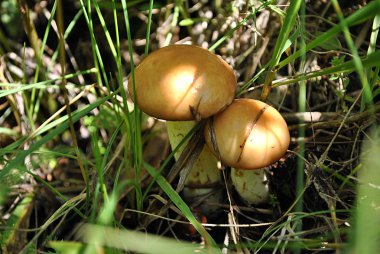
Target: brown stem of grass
267, 85
62, 60
31, 32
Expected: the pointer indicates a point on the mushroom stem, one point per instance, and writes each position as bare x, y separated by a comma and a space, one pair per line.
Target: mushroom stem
204, 175
251, 185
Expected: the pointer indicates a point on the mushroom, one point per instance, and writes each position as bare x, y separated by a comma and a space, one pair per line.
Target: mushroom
184, 84
248, 136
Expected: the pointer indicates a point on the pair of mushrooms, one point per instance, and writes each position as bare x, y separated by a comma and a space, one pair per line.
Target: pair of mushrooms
184, 84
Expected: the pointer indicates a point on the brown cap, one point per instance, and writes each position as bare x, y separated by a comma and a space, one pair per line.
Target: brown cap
183, 82
249, 134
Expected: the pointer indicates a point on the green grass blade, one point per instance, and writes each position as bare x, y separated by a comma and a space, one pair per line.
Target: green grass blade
106, 215
286, 221
365, 13
40, 85
20, 157
177, 200
287, 27
14, 232
302, 97
98, 158
65, 247
136, 242
98, 60
372, 75
349, 66
43, 43
137, 144
61, 212
240, 24
374, 35
148, 26
366, 231
35, 102
105, 29
367, 93
66, 34
170, 157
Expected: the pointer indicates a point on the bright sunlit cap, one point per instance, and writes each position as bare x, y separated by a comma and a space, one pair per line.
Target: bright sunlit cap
183, 82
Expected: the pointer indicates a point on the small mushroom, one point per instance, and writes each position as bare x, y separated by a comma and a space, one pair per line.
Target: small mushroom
248, 136
185, 83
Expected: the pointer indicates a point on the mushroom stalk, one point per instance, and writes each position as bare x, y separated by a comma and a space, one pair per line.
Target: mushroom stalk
204, 176
251, 185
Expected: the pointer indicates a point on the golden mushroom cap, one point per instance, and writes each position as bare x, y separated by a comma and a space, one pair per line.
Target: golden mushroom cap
183, 82
249, 134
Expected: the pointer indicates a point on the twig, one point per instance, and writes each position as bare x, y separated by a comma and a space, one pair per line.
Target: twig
336, 123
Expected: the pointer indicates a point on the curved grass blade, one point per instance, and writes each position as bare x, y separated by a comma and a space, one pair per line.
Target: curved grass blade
178, 201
